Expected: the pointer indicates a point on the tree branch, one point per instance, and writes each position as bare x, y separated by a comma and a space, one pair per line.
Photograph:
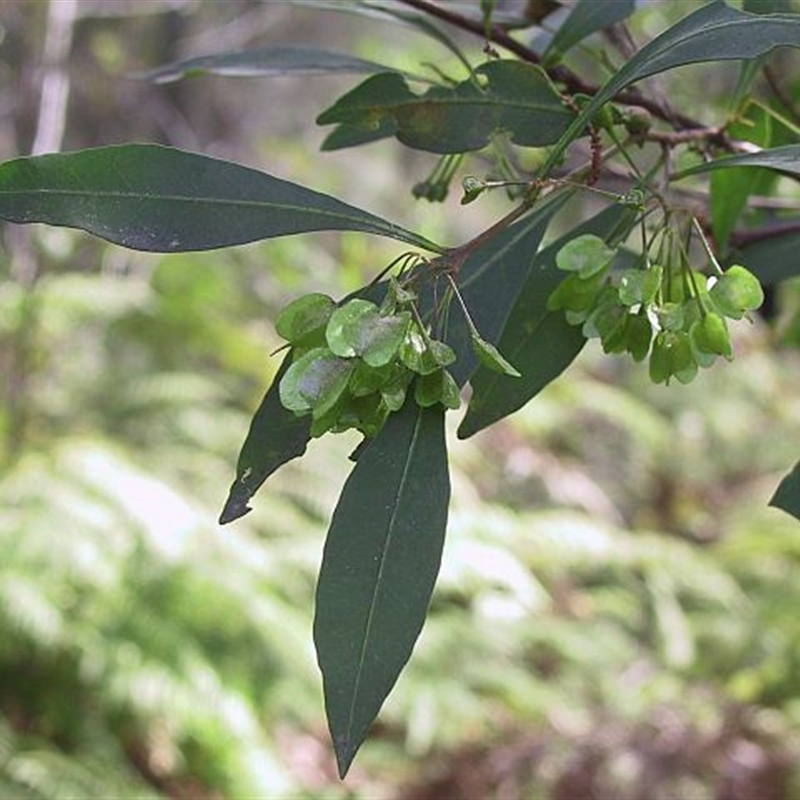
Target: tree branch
744, 238
572, 82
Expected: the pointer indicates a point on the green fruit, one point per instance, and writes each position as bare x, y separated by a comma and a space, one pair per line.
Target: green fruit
442, 353
682, 361
359, 329
428, 389
660, 360
383, 338
606, 320
451, 394
394, 394
639, 336
585, 255
671, 317
639, 286
670, 356
710, 335
437, 387
304, 317
315, 382
736, 292
577, 297
396, 297
415, 354
491, 357
344, 330
366, 379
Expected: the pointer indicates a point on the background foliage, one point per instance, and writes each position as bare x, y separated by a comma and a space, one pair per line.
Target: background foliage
615, 614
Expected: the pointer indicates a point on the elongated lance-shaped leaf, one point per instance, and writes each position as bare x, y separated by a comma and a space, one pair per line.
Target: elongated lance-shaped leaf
517, 99
160, 199
490, 280
265, 62
379, 567
787, 497
715, 32
781, 159
540, 343
276, 436
586, 18
410, 17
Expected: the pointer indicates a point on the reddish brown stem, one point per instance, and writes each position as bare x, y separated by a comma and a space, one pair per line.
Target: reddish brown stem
573, 83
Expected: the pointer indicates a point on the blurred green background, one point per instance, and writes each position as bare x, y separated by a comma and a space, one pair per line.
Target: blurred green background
617, 611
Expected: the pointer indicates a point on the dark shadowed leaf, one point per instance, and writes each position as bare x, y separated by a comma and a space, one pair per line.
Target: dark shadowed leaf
715, 32
539, 343
774, 258
517, 99
782, 159
490, 280
787, 497
264, 61
276, 436
586, 18
160, 199
354, 136
378, 571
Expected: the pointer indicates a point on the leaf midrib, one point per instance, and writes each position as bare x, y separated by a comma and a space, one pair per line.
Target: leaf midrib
374, 603
554, 107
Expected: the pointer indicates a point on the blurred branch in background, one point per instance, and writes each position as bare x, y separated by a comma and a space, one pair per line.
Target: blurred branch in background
54, 88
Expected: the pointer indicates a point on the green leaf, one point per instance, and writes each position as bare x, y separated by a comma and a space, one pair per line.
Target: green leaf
417, 19
264, 61
160, 199
491, 279
345, 135
586, 18
787, 496
783, 159
540, 343
304, 316
715, 32
276, 436
378, 571
517, 99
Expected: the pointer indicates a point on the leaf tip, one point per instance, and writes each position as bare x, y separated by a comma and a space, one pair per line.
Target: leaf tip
235, 507
345, 753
